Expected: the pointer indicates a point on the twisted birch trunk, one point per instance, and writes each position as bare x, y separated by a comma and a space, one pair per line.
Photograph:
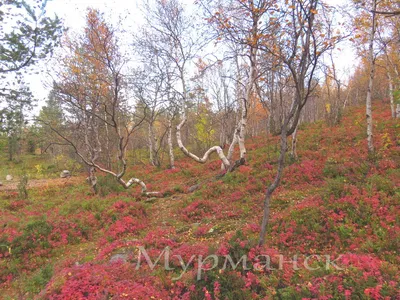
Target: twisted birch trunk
206, 155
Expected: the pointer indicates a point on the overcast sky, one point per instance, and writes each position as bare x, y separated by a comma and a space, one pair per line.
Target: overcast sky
72, 12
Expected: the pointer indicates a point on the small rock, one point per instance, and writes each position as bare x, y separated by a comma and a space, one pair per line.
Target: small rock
1, 184
9, 178
119, 257
65, 174
193, 188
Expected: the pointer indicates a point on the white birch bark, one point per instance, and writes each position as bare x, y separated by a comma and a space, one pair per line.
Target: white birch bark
170, 145
154, 160
294, 144
231, 148
371, 61
392, 108
206, 155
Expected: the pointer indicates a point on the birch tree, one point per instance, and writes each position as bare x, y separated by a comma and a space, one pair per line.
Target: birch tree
91, 86
371, 61
180, 44
388, 39
300, 37
237, 24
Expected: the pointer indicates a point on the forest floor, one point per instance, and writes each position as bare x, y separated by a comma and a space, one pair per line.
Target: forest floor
42, 183
335, 201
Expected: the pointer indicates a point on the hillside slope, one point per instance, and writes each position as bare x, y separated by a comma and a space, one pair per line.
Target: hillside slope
337, 211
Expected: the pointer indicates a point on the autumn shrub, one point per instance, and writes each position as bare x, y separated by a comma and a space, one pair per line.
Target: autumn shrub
122, 208
213, 190
332, 169
227, 285
99, 205
226, 282
108, 184
198, 210
367, 280
336, 187
87, 223
236, 196
159, 239
308, 219
34, 236
172, 171
290, 292
178, 189
124, 217
65, 232
203, 230
239, 245
382, 184
234, 178
306, 171
16, 205
104, 281
125, 225
387, 164
39, 279
394, 176
90, 203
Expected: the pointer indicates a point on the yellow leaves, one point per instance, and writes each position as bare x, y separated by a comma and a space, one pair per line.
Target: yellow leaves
314, 11
75, 69
386, 141
328, 108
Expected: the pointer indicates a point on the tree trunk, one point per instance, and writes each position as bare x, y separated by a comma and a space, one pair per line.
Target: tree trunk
273, 186
392, 108
370, 82
170, 146
10, 149
92, 179
154, 160
246, 101
241, 134
202, 160
294, 144
231, 148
